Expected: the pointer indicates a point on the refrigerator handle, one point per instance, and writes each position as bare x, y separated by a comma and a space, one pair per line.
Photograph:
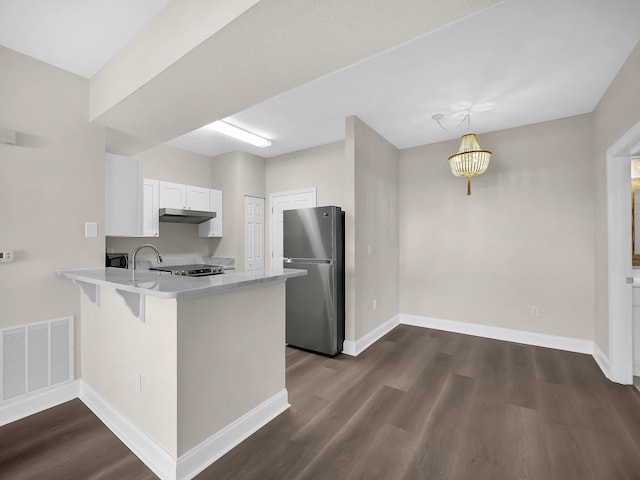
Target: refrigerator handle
308, 260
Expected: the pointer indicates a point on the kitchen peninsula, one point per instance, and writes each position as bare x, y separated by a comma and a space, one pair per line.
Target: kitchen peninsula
182, 368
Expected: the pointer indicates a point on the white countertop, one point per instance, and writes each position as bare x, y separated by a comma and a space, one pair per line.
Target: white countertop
165, 285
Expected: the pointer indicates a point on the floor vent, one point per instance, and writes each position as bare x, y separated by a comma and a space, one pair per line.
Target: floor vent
35, 356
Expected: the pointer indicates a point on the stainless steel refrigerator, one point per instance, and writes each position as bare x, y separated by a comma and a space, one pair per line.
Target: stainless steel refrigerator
314, 241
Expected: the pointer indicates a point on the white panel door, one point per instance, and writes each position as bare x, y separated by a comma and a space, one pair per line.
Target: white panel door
279, 202
253, 233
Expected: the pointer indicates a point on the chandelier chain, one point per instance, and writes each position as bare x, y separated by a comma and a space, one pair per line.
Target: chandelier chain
437, 117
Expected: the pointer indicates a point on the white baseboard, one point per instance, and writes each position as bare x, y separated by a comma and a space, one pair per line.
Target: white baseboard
518, 336
355, 348
601, 359
161, 462
203, 455
35, 402
151, 453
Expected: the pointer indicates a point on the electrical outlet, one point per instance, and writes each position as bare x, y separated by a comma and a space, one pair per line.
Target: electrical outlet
535, 311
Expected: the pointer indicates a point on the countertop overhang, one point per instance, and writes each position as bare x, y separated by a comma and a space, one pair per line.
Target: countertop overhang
165, 285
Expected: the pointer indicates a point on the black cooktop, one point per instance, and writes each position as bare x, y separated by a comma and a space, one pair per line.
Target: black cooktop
193, 270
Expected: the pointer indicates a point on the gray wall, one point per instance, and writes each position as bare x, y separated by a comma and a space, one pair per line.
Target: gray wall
51, 183
523, 238
617, 111
376, 226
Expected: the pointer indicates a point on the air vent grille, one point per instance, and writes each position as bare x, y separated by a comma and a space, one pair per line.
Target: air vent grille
60, 351
38, 360
13, 360
35, 356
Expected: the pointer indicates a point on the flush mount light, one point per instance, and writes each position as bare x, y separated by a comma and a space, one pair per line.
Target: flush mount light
239, 134
471, 160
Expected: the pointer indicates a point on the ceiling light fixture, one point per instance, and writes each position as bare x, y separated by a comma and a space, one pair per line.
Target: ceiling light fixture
238, 133
471, 160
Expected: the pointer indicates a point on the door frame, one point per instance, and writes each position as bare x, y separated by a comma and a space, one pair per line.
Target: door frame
619, 268
282, 194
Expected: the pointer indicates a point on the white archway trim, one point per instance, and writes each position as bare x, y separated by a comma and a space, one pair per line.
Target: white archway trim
620, 310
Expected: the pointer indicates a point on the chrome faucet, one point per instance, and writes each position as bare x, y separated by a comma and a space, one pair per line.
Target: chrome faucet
135, 252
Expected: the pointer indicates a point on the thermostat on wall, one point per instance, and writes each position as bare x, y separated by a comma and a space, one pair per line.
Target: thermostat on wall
6, 256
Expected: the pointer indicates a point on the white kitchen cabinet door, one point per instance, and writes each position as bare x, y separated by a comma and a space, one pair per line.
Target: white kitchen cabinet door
123, 196
172, 195
198, 198
186, 197
150, 202
213, 228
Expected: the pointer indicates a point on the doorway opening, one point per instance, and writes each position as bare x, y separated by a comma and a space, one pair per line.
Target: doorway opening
619, 254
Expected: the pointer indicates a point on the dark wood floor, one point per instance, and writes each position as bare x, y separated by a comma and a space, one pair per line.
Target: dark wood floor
66, 442
419, 404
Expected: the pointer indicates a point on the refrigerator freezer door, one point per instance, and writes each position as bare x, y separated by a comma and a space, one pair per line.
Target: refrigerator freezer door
310, 232
311, 309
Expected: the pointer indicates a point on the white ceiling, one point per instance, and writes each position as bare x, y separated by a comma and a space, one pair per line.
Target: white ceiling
520, 62
75, 35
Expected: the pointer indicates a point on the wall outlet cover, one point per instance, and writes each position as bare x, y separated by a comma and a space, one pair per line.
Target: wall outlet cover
91, 230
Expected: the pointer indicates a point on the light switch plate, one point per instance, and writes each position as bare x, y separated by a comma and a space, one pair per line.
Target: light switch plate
6, 256
90, 230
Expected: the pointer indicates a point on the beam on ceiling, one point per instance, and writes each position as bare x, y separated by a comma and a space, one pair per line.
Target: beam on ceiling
248, 54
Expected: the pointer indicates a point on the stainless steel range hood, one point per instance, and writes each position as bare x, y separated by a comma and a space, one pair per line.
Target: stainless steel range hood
176, 215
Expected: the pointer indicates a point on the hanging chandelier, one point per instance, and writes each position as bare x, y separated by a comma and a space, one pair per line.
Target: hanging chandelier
471, 160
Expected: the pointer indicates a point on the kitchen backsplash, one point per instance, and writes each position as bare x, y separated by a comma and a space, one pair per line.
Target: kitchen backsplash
175, 239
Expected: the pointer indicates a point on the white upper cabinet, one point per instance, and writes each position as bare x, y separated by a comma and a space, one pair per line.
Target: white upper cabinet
123, 196
184, 197
198, 198
150, 198
173, 195
213, 227
133, 202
